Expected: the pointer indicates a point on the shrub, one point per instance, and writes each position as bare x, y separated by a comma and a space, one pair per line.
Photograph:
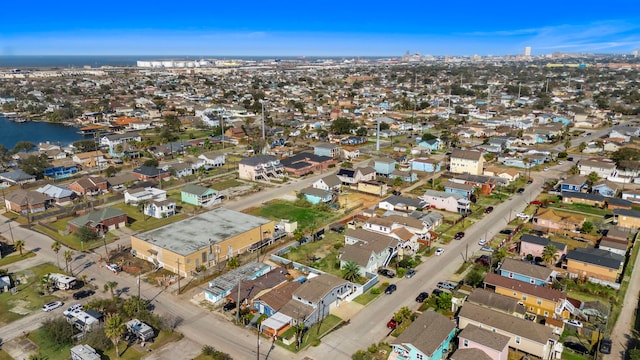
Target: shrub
376, 291
58, 331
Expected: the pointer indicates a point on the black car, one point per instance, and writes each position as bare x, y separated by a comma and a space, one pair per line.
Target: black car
530, 181
390, 289
436, 292
569, 159
422, 296
229, 306
520, 191
605, 346
576, 347
83, 294
386, 272
459, 235
488, 210
506, 231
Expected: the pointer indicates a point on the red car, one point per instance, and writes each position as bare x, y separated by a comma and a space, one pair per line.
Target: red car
536, 202
392, 324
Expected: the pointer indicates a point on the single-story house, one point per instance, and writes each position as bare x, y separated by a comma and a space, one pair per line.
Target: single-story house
428, 337
99, 221
198, 195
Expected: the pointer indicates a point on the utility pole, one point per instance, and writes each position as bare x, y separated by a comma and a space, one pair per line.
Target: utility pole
106, 251
238, 303
178, 261
258, 343
139, 299
263, 133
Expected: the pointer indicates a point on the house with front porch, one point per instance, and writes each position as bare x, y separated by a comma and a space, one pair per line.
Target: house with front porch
431, 145
451, 202
260, 167
524, 335
328, 183
198, 195
91, 160
212, 159
159, 209
576, 183
428, 337
465, 190
368, 249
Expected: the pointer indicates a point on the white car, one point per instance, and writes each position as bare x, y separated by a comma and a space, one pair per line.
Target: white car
522, 216
52, 305
575, 323
560, 162
482, 242
546, 169
439, 251
72, 308
114, 267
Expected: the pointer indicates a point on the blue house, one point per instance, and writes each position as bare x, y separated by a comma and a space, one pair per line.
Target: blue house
526, 272
326, 149
61, 171
457, 188
575, 183
384, 166
316, 196
425, 164
605, 188
432, 144
407, 176
427, 338
272, 301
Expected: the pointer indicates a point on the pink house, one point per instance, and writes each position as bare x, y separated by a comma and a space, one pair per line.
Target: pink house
534, 245
478, 343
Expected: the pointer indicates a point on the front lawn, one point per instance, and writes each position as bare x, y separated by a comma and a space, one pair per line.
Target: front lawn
28, 298
165, 337
58, 231
47, 347
313, 336
369, 296
140, 222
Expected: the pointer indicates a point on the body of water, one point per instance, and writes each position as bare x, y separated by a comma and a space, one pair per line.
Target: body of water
36, 132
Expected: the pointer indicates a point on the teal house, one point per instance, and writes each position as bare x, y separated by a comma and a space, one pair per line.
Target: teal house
427, 338
316, 196
198, 195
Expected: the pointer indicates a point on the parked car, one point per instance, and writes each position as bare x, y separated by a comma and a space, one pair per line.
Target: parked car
560, 162
536, 202
436, 292
446, 285
386, 272
488, 210
392, 324
390, 289
114, 267
82, 294
72, 308
506, 231
546, 169
575, 323
530, 181
569, 159
520, 190
439, 251
52, 305
484, 260
482, 242
605, 346
422, 296
459, 235
522, 216
410, 273
487, 249
577, 347
229, 306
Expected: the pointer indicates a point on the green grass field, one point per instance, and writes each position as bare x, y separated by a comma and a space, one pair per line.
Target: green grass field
141, 222
280, 209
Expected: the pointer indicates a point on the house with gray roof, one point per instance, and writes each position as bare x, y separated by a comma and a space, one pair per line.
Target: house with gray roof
26, 201
198, 195
370, 250
452, 202
428, 337
401, 203
597, 265
592, 199
322, 293
524, 335
526, 272
489, 344
60, 195
498, 302
534, 246
328, 183
16, 177
100, 221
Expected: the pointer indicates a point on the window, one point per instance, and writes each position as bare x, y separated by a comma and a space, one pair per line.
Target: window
532, 281
539, 302
546, 313
465, 343
419, 356
517, 339
524, 297
204, 257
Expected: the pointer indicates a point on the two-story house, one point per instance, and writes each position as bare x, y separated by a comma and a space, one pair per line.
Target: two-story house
466, 162
527, 272
451, 202
212, 159
112, 141
326, 149
89, 185
91, 159
534, 246
539, 300
322, 293
368, 249
425, 164
463, 189
576, 183
160, 209
328, 183
597, 265
427, 338
260, 167
354, 176
384, 166
198, 195
604, 169
479, 343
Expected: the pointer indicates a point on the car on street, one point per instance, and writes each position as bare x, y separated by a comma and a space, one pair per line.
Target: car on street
82, 294
536, 202
482, 242
446, 285
459, 235
546, 169
560, 162
487, 249
392, 324
114, 267
530, 181
386, 272
410, 273
605, 346
72, 308
576, 347
569, 159
575, 323
520, 190
422, 296
488, 210
229, 306
506, 231
52, 305
390, 289
439, 251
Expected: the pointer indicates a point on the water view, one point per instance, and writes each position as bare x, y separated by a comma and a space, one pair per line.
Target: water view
36, 132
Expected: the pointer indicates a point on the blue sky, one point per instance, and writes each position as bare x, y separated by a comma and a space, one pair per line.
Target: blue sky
317, 28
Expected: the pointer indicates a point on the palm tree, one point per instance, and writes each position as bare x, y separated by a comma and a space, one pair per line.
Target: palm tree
593, 178
110, 286
68, 256
19, 245
550, 254
351, 271
575, 170
567, 145
56, 249
403, 314
234, 262
114, 328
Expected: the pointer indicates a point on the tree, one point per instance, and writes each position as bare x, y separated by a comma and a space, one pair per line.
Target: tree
351, 271
403, 314
46, 284
600, 144
627, 158
575, 170
68, 256
234, 262
110, 171
593, 178
567, 145
19, 246
172, 123
582, 146
111, 286
362, 131
587, 227
85, 234
342, 126
474, 278
443, 301
428, 136
114, 328
23, 146
35, 165
550, 254
86, 145
56, 249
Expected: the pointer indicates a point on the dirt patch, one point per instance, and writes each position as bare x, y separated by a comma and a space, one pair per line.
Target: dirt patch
130, 263
20, 348
19, 307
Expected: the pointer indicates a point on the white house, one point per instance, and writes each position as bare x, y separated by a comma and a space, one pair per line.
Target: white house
214, 159
160, 209
137, 195
604, 169
328, 183
453, 202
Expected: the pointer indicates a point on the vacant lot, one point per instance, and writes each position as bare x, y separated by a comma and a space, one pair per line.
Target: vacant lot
307, 217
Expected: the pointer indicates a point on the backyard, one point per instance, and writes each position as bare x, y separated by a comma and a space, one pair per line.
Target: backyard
321, 254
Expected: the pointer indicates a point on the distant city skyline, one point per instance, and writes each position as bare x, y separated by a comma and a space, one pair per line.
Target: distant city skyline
328, 28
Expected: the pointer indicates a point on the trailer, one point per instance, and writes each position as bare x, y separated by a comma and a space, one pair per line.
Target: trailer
141, 330
62, 282
84, 352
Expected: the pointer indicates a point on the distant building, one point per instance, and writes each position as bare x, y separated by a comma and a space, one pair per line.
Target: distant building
527, 51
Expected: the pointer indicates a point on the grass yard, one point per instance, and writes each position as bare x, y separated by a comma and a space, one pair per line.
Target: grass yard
140, 222
368, 297
15, 257
312, 336
226, 184
307, 217
28, 298
5, 356
60, 234
583, 208
165, 337
46, 347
